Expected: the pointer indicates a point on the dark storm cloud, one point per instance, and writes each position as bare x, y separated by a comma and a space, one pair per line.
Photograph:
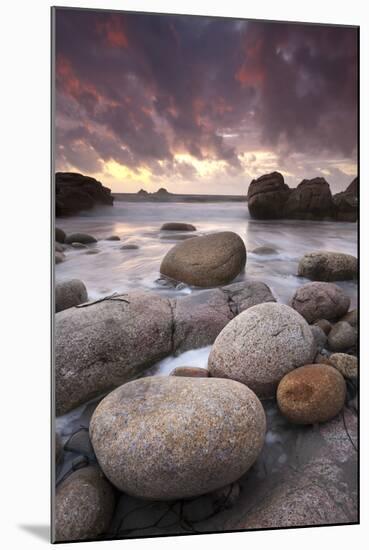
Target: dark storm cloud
137, 89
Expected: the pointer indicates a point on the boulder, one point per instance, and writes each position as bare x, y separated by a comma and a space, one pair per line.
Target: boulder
320, 337
311, 394
177, 226
260, 346
198, 319
59, 257
342, 337
351, 317
345, 364
346, 203
190, 372
69, 293
320, 300
311, 200
75, 192
180, 437
84, 505
103, 345
129, 247
78, 245
211, 260
113, 238
267, 196
328, 266
324, 325
264, 250
59, 235
80, 238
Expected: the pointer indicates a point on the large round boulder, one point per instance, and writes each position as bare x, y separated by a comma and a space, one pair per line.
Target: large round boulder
311, 394
267, 196
83, 238
328, 266
207, 261
167, 438
69, 293
84, 505
319, 300
261, 345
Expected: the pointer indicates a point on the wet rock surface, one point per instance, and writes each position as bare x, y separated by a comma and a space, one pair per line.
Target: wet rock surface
177, 226
82, 238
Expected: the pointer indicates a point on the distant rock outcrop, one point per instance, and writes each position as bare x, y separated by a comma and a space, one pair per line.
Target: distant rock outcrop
346, 203
75, 192
269, 197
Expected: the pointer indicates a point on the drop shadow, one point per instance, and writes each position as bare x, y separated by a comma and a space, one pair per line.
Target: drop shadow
40, 531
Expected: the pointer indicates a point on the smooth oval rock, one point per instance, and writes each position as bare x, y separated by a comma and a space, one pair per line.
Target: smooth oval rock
84, 505
113, 238
351, 317
129, 247
190, 372
320, 336
78, 245
69, 293
346, 364
262, 344
311, 394
206, 261
167, 438
264, 250
83, 238
319, 300
342, 337
324, 324
59, 235
177, 226
59, 257
328, 266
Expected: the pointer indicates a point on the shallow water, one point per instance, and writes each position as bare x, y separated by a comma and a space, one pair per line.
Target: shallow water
116, 270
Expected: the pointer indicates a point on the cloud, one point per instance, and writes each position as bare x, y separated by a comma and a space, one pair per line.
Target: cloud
140, 90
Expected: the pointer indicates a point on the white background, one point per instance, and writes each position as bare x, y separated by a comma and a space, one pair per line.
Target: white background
25, 278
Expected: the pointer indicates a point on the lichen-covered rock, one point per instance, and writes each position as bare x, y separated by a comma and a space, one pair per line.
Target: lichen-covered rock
342, 337
320, 300
180, 437
211, 260
84, 505
267, 196
262, 344
69, 293
346, 364
328, 266
311, 394
177, 226
190, 372
82, 238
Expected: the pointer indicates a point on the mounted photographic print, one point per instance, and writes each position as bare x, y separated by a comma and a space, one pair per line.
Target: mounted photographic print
205, 261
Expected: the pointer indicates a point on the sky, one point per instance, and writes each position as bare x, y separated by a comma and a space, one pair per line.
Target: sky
203, 105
